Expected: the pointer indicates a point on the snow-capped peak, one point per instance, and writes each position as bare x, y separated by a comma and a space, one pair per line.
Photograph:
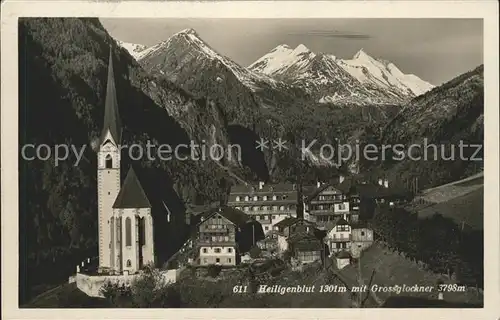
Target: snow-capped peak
362, 55
135, 50
281, 58
385, 74
369, 72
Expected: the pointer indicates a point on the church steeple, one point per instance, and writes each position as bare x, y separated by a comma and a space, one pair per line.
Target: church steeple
111, 117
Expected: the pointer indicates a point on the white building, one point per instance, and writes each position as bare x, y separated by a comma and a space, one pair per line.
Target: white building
125, 211
338, 237
266, 203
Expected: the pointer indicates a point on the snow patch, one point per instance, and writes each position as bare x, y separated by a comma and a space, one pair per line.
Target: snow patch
135, 50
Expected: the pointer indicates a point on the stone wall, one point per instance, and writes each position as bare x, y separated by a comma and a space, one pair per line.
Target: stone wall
91, 284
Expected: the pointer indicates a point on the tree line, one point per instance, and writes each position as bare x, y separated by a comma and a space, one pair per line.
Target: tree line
437, 241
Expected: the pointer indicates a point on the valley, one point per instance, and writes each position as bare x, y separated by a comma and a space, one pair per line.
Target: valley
183, 90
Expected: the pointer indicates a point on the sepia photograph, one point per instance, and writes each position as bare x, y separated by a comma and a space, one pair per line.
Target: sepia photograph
232, 162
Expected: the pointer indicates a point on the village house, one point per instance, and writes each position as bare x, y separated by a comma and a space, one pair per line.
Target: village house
361, 239
342, 259
338, 237
289, 227
306, 247
357, 188
270, 242
325, 205
223, 234
267, 204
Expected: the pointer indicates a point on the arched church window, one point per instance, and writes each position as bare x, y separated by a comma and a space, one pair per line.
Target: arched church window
112, 227
128, 232
109, 162
142, 231
118, 232
129, 263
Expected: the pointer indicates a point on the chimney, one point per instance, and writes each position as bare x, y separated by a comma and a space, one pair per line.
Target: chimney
318, 184
386, 183
261, 185
380, 182
341, 179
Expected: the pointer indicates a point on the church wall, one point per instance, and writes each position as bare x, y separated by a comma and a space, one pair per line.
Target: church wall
148, 247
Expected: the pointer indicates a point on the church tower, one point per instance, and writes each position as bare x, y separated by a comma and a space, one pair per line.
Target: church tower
108, 172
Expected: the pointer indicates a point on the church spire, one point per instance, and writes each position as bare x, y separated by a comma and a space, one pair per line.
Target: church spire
111, 116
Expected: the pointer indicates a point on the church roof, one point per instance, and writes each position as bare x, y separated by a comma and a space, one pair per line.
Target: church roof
111, 116
131, 194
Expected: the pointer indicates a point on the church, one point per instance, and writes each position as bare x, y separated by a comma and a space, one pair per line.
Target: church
136, 226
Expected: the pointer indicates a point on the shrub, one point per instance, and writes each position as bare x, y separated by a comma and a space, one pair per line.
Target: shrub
214, 270
149, 290
116, 294
255, 252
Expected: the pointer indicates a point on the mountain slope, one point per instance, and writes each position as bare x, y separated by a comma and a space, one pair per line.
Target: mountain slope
447, 116
257, 105
188, 61
362, 80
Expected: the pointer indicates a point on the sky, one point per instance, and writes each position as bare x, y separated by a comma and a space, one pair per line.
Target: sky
436, 50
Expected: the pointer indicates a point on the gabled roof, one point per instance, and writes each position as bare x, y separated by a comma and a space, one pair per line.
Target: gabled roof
343, 255
237, 217
341, 222
266, 188
312, 195
131, 194
111, 116
201, 208
287, 222
305, 241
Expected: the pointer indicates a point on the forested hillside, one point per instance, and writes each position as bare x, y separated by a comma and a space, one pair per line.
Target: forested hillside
447, 116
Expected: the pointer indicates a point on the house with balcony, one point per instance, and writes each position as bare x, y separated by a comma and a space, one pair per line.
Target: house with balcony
325, 205
339, 236
266, 203
223, 234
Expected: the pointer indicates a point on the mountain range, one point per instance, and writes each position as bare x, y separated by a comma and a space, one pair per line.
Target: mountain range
326, 78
